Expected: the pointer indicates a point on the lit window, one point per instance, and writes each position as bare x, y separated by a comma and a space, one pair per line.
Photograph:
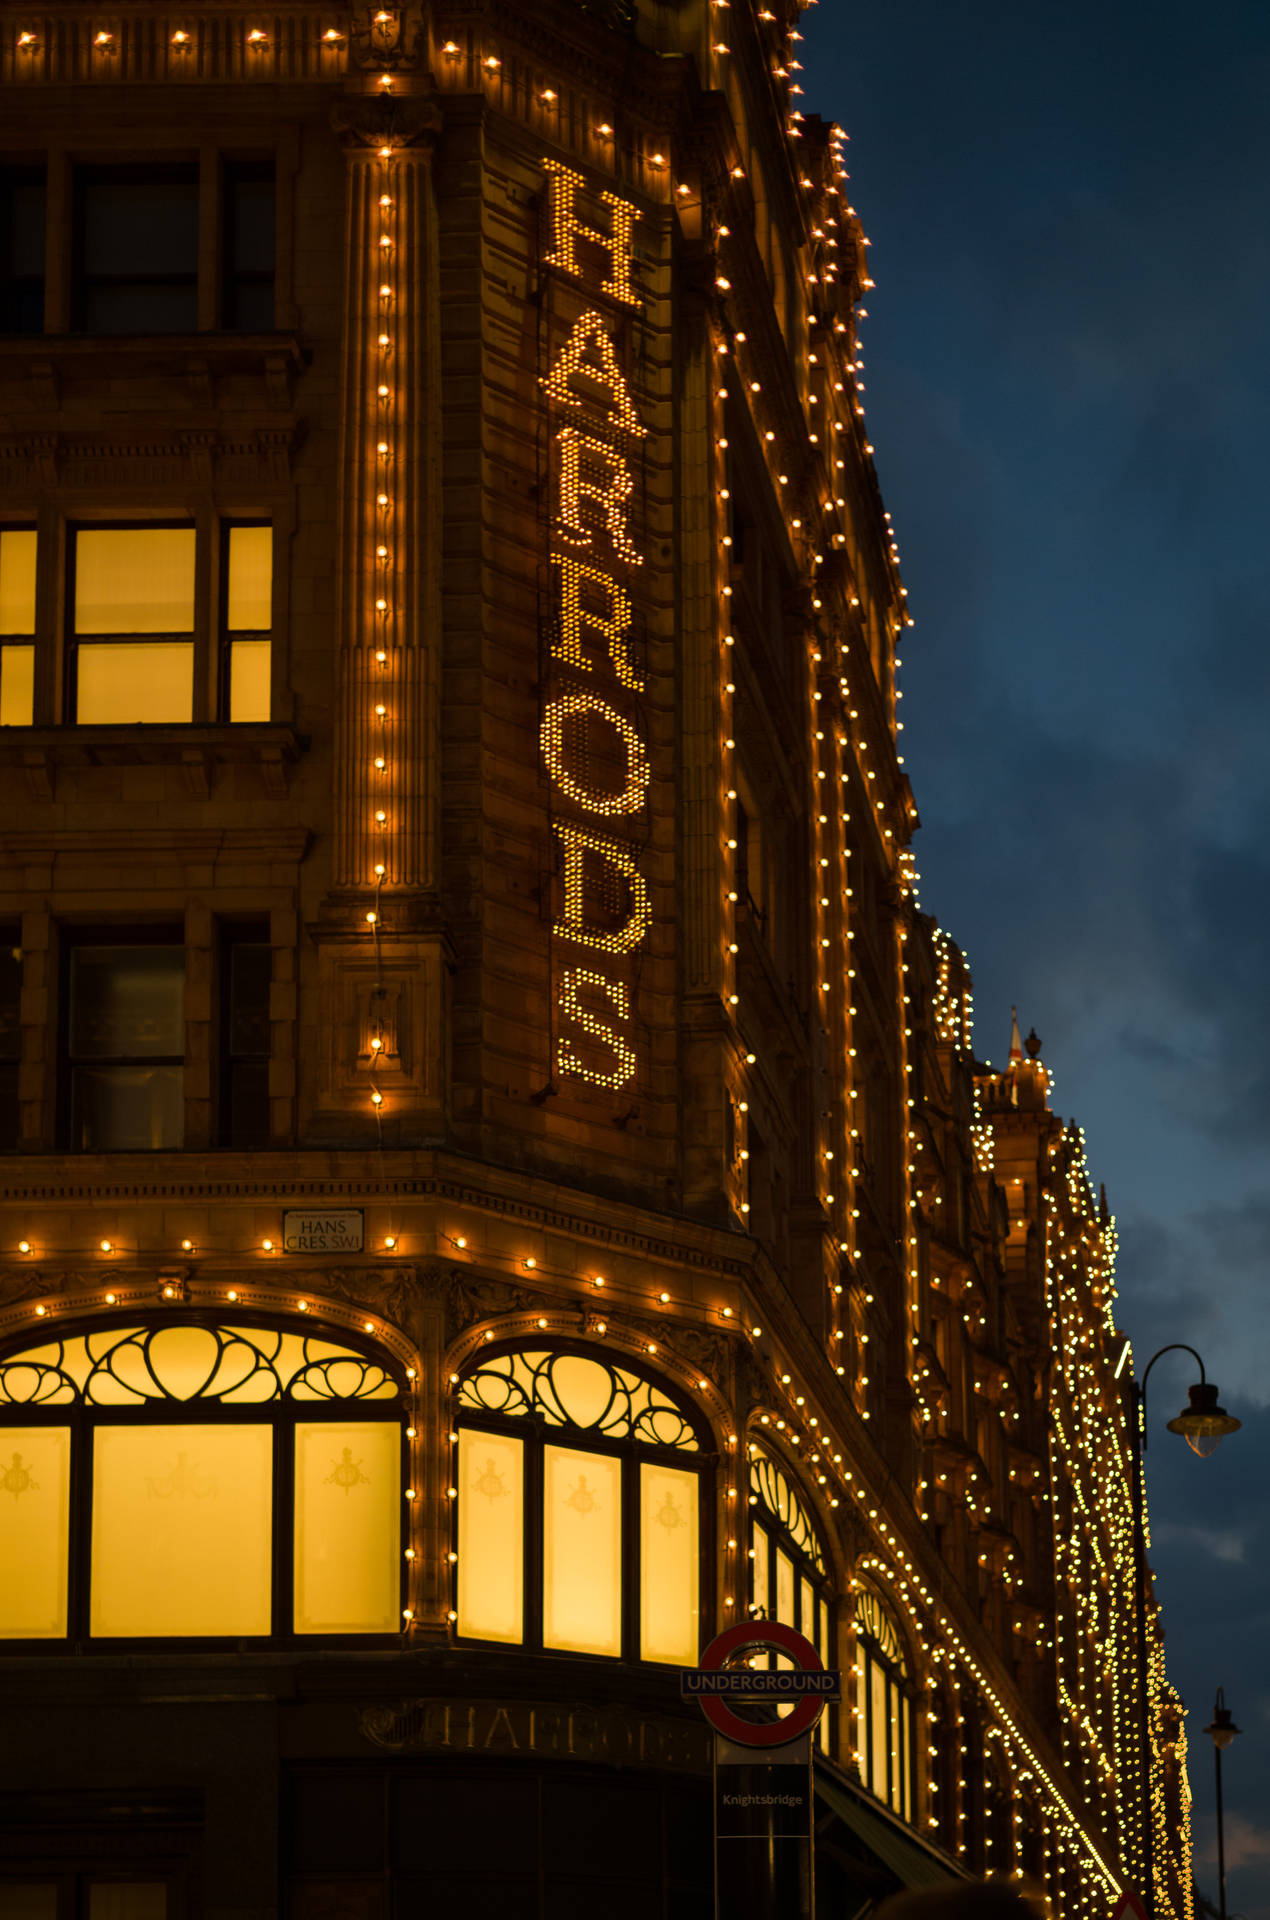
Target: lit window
270, 1451
789, 1580
590, 1475
248, 620
125, 1047
884, 1708
17, 618
133, 600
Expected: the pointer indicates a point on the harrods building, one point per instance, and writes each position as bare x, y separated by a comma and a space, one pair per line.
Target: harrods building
496, 1184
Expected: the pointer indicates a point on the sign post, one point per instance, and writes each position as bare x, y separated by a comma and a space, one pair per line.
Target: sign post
764, 1862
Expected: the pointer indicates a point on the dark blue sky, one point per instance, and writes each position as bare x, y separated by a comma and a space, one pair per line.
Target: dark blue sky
1068, 392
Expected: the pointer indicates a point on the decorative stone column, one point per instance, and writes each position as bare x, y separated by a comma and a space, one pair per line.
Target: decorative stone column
381, 1049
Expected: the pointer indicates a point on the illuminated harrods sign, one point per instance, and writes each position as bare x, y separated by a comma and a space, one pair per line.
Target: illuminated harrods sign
592, 738
322, 1232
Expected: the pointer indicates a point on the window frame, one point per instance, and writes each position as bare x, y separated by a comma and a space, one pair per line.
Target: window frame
538, 1433
284, 1414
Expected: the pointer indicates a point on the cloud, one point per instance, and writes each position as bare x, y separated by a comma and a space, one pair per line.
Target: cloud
1217, 1543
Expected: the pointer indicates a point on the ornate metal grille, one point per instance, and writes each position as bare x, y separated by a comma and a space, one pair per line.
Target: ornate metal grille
569, 1390
237, 1366
773, 1490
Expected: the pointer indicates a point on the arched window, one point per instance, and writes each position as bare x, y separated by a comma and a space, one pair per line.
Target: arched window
789, 1580
885, 1709
579, 1509
191, 1481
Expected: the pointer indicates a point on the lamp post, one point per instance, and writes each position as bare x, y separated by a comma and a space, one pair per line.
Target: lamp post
1203, 1424
1222, 1732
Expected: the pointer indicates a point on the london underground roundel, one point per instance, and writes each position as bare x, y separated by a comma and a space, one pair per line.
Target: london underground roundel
810, 1684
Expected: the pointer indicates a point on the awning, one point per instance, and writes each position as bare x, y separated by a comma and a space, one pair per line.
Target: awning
898, 1852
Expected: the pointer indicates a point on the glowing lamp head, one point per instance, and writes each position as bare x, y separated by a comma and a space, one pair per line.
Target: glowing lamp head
1223, 1729
1203, 1424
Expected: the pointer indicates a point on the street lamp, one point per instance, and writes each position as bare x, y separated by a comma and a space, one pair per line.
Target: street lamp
1203, 1424
1222, 1732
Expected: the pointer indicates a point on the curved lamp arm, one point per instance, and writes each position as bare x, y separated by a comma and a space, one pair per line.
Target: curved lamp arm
1176, 1346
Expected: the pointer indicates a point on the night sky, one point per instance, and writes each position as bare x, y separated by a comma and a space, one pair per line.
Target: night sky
1067, 388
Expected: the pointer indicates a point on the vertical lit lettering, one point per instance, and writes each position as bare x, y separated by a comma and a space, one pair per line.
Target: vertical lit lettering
564, 186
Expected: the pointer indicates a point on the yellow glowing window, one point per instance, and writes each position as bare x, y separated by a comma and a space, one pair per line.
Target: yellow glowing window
189, 1513
491, 1524
120, 682
670, 1615
17, 580
582, 1551
250, 594
886, 1725
134, 593
248, 620
598, 1492
347, 1526
133, 580
17, 686
34, 1491
181, 1538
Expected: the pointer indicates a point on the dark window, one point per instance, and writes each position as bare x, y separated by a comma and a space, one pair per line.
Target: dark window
10, 1037
21, 250
136, 250
246, 972
247, 300
125, 1047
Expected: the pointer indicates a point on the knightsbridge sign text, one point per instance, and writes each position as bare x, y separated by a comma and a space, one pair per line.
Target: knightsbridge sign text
593, 739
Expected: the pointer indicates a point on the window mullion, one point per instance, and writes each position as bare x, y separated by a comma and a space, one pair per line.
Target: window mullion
209, 240
206, 581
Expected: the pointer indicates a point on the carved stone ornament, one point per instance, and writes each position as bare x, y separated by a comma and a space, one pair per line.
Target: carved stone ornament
20, 1283
471, 1299
389, 1292
386, 120
386, 39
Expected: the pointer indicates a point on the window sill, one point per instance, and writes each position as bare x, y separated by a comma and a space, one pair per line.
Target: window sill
43, 359
39, 752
